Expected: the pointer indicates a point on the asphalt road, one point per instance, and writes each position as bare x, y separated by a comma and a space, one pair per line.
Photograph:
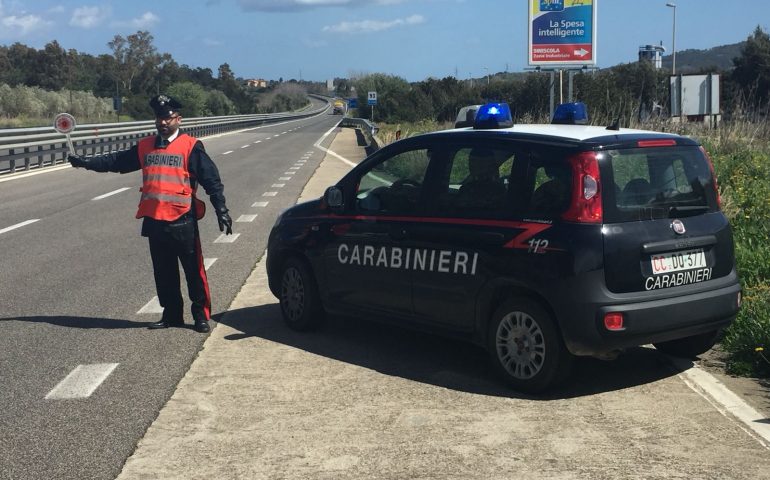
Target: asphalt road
76, 283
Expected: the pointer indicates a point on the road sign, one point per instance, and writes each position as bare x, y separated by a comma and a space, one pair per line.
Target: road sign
562, 32
372, 98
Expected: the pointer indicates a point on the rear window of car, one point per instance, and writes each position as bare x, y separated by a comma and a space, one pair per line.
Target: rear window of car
653, 183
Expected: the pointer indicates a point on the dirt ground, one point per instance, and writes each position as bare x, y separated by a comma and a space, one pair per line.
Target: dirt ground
754, 391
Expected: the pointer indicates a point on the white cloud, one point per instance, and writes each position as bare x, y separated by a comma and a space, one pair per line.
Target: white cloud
369, 26
147, 20
294, 5
89, 17
24, 24
20, 24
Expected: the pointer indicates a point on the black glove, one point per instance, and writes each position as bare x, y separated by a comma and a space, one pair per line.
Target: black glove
224, 221
78, 161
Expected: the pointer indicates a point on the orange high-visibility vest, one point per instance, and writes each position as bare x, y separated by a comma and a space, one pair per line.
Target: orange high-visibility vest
167, 191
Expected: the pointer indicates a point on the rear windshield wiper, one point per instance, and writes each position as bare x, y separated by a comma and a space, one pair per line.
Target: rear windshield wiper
674, 210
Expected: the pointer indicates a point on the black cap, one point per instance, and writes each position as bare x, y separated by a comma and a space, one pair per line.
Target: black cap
164, 106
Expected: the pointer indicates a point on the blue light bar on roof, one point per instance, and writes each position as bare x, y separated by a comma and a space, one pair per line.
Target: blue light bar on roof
574, 113
493, 115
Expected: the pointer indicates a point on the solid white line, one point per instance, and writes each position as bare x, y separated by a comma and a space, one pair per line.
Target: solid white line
246, 218
260, 204
16, 176
82, 381
329, 152
227, 238
19, 225
278, 185
725, 401
153, 306
269, 194
111, 193
227, 152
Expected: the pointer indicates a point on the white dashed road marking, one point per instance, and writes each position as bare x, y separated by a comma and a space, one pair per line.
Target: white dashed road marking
246, 146
246, 218
19, 225
258, 141
153, 306
111, 193
269, 194
260, 204
82, 381
227, 152
227, 238
294, 168
284, 178
278, 185
289, 173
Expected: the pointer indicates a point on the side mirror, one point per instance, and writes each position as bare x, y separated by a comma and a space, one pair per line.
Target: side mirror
333, 197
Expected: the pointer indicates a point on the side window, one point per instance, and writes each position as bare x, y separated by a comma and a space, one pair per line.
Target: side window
395, 184
551, 179
476, 183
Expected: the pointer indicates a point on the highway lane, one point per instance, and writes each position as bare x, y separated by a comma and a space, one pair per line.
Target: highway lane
73, 278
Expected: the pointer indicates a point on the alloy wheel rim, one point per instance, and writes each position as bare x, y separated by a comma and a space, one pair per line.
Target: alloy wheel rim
520, 345
292, 294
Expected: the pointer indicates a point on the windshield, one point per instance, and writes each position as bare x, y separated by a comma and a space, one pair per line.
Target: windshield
650, 183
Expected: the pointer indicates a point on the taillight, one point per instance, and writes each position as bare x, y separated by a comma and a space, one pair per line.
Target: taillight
713, 176
586, 201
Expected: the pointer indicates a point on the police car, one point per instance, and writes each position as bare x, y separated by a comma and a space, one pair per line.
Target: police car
537, 242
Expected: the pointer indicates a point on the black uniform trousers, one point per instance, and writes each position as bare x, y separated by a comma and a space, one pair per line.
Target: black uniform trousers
175, 243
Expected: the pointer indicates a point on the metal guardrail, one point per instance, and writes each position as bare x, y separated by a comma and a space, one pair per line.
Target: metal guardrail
368, 128
33, 148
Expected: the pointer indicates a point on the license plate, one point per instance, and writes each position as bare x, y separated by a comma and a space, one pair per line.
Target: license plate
677, 261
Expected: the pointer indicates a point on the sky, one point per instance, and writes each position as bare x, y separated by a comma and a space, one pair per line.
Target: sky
323, 39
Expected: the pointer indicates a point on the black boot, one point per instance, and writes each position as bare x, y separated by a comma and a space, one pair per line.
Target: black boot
159, 324
202, 326
168, 320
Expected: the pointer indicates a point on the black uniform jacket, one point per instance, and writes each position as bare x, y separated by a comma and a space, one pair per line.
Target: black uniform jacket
203, 171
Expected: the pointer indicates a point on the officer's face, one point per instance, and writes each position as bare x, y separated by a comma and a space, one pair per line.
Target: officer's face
168, 125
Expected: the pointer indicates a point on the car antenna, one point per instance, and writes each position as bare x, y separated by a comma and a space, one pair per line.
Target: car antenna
615, 125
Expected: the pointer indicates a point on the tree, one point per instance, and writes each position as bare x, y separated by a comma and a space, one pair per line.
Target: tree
192, 97
752, 68
53, 72
136, 58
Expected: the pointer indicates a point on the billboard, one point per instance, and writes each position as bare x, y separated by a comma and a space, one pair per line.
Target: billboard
562, 32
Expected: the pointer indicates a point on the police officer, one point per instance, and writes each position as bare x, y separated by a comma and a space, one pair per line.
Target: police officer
173, 164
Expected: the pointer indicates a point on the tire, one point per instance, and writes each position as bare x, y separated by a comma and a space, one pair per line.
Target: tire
526, 347
690, 347
300, 303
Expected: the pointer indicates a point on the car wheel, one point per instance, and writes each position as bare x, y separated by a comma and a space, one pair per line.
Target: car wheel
300, 302
690, 347
526, 347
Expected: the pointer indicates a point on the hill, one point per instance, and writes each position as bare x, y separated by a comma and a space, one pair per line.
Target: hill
694, 61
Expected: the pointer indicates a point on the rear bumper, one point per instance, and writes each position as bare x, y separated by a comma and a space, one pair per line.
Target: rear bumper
651, 321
